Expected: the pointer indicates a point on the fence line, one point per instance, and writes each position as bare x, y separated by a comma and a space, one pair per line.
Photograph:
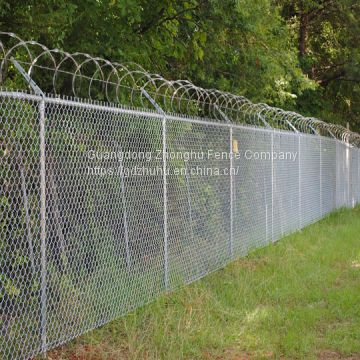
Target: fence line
85, 240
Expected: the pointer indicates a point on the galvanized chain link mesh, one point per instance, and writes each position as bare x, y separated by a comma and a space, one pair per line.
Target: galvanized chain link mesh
19, 228
119, 232
252, 193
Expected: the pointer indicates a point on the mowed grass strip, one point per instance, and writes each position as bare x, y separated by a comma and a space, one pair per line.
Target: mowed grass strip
296, 299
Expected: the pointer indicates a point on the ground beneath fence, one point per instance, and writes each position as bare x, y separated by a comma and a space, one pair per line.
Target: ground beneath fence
296, 299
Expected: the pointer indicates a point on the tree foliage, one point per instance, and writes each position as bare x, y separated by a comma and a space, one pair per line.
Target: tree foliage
298, 54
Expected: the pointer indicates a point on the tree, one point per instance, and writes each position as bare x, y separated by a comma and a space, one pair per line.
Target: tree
299, 54
327, 38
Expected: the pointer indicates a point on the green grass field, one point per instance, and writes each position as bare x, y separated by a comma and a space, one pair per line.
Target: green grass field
296, 299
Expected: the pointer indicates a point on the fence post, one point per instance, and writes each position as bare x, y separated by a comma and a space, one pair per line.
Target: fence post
358, 182
336, 175
43, 224
321, 211
224, 116
43, 294
272, 186
231, 193
299, 150
348, 160
166, 268
166, 248
358, 191
189, 200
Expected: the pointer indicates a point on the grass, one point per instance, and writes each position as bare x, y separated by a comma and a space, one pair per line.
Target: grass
296, 299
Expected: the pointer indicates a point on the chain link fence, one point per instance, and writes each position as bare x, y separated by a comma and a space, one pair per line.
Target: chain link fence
103, 208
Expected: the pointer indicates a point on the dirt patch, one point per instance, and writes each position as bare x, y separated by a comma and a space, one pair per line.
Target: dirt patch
334, 355
233, 354
252, 264
89, 352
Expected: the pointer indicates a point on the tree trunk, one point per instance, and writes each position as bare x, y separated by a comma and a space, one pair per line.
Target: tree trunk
303, 33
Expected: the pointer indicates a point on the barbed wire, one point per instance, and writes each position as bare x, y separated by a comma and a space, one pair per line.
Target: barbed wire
82, 75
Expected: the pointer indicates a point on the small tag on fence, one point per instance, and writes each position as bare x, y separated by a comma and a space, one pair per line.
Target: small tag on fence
235, 146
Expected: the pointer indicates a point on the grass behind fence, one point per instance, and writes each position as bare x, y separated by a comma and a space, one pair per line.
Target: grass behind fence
296, 299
